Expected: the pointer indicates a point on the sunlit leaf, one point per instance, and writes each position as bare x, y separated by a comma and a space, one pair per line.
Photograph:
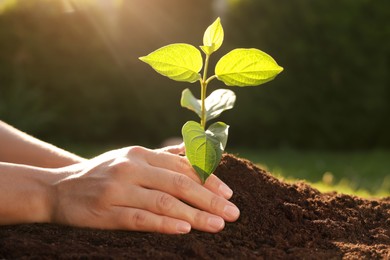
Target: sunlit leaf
204, 148
213, 37
220, 131
217, 102
180, 62
246, 67
189, 101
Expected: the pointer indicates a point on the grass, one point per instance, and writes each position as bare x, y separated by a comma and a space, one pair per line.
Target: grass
362, 173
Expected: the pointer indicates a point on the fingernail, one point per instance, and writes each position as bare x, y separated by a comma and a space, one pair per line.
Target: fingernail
231, 212
225, 191
216, 223
183, 227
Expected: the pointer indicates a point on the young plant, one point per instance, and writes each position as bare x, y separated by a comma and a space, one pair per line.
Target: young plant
240, 67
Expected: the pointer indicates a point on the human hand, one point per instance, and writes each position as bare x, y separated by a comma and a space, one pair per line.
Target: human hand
140, 189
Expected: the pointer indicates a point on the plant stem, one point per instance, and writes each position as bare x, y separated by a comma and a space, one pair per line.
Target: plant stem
203, 90
203, 86
210, 79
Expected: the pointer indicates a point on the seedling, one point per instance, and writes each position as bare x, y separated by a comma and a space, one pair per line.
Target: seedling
240, 67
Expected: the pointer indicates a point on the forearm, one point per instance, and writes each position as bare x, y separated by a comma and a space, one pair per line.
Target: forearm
26, 193
21, 148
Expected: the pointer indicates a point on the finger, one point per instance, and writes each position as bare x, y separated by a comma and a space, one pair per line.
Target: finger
143, 220
181, 164
183, 187
214, 184
164, 204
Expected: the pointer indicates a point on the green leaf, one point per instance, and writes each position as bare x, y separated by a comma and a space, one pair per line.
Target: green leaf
217, 102
189, 101
180, 62
220, 131
246, 67
204, 148
213, 37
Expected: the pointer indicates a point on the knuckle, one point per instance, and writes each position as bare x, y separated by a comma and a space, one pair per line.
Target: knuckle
121, 167
183, 164
164, 226
182, 182
214, 203
138, 220
161, 225
199, 217
135, 151
165, 202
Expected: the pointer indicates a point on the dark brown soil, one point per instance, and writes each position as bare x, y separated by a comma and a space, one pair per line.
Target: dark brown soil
278, 221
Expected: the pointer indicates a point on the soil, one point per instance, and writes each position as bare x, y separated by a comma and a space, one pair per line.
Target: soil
278, 221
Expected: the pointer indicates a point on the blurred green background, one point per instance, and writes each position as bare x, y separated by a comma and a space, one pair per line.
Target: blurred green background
70, 74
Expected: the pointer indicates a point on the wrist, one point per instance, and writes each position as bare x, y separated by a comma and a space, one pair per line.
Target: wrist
54, 190
50, 191
47, 195
43, 195
26, 193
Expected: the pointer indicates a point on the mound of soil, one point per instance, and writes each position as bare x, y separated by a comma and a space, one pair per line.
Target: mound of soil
278, 221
